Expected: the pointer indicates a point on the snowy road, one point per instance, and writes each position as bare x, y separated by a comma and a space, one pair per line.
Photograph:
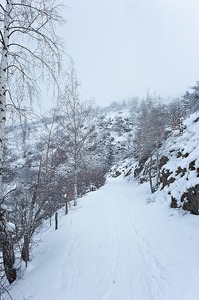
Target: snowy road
116, 246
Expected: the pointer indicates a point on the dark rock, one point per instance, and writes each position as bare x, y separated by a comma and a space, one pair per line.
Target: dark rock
139, 167
178, 154
190, 200
173, 202
116, 174
181, 171
196, 120
128, 173
164, 178
192, 165
163, 161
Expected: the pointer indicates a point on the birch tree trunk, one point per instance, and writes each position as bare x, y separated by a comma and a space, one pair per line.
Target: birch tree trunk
6, 244
29, 49
75, 187
157, 169
35, 211
150, 174
3, 66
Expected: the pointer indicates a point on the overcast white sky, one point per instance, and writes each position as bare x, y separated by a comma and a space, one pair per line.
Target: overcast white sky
121, 48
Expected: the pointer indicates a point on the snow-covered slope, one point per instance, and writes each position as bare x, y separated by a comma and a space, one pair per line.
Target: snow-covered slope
117, 244
178, 165
179, 174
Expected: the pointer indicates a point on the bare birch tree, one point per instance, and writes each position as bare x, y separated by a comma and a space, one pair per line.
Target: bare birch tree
175, 115
29, 48
36, 207
76, 124
149, 134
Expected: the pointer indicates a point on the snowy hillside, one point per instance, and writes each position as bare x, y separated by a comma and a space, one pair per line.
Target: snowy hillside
180, 173
178, 167
121, 242
41, 141
117, 244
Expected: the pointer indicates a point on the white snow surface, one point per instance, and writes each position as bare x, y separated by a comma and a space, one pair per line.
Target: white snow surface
117, 244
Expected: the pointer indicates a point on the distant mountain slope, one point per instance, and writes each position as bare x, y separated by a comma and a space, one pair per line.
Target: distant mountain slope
26, 144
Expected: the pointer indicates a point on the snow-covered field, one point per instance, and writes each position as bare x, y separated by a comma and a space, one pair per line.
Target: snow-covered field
116, 245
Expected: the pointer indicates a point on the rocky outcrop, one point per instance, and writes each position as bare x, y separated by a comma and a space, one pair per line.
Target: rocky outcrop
189, 199
177, 174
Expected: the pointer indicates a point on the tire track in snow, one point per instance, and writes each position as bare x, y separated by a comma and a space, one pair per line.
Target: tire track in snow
154, 278
126, 255
131, 253
111, 274
121, 259
153, 273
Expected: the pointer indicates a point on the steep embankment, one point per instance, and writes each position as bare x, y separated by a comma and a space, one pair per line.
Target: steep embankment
178, 165
117, 244
179, 174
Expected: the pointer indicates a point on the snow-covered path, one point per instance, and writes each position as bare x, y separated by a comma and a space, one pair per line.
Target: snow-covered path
116, 246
